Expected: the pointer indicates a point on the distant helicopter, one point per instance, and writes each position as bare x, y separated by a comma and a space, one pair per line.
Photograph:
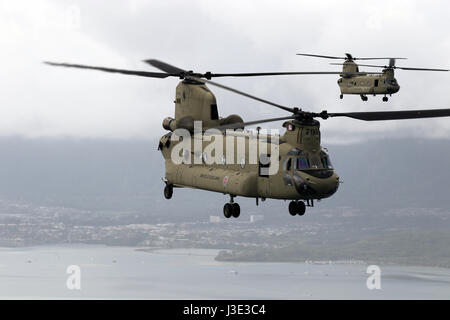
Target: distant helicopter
370, 83
305, 172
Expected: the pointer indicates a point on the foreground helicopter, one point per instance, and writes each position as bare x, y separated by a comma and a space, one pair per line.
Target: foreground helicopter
370, 83
305, 173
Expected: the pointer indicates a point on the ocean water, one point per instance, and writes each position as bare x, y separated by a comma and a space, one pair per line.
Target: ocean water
126, 273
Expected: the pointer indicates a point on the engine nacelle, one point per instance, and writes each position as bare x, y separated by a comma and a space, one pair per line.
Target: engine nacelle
166, 123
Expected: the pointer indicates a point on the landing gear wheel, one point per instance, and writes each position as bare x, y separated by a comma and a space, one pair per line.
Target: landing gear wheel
293, 208
341, 96
227, 210
385, 99
297, 207
301, 208
364, 98
235, 210
168, 191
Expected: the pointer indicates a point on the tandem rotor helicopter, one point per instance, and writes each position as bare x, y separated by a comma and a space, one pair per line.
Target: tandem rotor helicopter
383, 83
305, 173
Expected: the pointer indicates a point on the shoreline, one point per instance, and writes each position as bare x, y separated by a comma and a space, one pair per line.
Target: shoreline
217, 252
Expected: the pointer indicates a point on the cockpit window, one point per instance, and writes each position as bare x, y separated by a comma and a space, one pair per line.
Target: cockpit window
393, 82
325, 160
302, 163
288, 164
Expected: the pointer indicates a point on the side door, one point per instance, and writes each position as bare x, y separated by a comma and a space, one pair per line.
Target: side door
263, 175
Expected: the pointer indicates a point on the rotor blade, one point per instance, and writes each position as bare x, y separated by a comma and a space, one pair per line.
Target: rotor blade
420, 69
164, 66
345, 58
276, 74
359, 65
379, 58
371, 65
241, 93
402, 68
319, 56
359, 73
130, 72
250, 123
390, 115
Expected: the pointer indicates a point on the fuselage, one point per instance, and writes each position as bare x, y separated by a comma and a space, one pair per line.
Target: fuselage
370, 84
303, 170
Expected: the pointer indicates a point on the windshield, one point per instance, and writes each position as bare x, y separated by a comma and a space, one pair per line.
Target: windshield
302, 163
393, 82
314, 161
326, 162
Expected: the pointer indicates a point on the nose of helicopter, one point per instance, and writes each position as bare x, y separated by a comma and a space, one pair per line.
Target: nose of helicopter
316, 187
394, 88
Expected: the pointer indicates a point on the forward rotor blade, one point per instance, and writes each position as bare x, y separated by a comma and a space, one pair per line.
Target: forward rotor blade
208, 75
320, 56
277, 74
242, 93
250, 123
372, 65
359, 65
130, 72
355, 73
164, 66
390, 115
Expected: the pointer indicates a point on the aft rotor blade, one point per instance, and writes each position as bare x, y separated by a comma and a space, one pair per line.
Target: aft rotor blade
130, 72
390, 115
380, 58
402, 68
348, 57
250, 123
420, 69
164, 66
242, 93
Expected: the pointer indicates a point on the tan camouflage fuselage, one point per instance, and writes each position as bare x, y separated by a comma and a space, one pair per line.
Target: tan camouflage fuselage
370, 84
304, 170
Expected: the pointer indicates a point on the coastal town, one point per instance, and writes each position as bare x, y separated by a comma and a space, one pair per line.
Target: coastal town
323, 236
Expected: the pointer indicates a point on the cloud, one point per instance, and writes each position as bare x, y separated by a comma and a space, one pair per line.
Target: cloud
233, 36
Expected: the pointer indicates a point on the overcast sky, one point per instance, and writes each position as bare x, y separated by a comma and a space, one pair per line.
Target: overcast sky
219, 36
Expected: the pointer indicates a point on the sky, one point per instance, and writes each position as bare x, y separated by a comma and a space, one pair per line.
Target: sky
37, 100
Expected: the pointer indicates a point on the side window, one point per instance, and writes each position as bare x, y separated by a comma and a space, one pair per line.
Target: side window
326, 162
288, 164
376, 83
